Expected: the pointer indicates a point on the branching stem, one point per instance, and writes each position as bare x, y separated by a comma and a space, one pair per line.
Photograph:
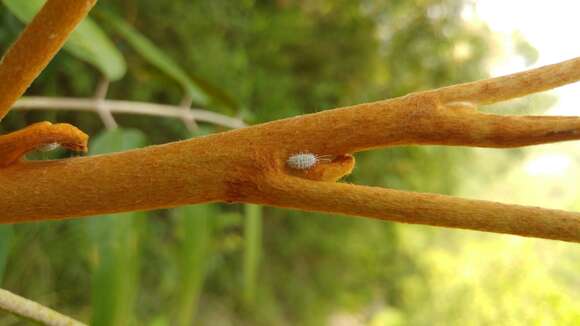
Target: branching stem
248, 164
33, 311
126, 107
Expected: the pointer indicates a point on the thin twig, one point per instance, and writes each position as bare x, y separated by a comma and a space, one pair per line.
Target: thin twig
185, 105
34, 311
84, 104
104, 113
503, 88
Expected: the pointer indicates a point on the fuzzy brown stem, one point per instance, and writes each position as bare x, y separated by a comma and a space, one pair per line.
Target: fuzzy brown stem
248, 165
512, 86
36, 46
416, 119
422, 208
14, 146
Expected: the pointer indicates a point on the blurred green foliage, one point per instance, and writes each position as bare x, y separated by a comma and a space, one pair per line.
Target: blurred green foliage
88, 42
265, 60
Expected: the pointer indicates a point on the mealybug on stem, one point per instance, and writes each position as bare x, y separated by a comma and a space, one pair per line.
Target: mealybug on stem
48, 147
305, 161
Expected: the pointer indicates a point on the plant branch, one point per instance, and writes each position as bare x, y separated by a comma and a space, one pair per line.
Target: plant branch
82, 104
249, 165
33, 311
15, 145
423, 208
36, 46
100, 97
188, 119
512, 86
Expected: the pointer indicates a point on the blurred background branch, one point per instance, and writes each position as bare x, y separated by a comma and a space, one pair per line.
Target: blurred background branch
102, 110
33, 311
106, 107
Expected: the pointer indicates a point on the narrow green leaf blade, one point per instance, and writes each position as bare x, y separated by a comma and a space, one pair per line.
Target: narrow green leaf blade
6, 240
156, 57
88, 42
195, 226
252, 252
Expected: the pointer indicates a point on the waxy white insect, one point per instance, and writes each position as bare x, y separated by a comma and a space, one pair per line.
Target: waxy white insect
305, 161
48, 147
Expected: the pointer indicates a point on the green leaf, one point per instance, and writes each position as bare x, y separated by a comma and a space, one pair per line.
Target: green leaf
6, 239
156, 57
88, 42
117, 140
115, 272
195, 224
252, 252
199, 89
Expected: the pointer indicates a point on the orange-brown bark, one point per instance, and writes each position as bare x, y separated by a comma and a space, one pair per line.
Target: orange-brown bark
23, 62
249, 165
36, 46
516, 85
14, 145
421, 208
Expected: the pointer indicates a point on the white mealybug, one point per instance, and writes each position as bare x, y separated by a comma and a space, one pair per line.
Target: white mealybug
305, 161
48, 147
